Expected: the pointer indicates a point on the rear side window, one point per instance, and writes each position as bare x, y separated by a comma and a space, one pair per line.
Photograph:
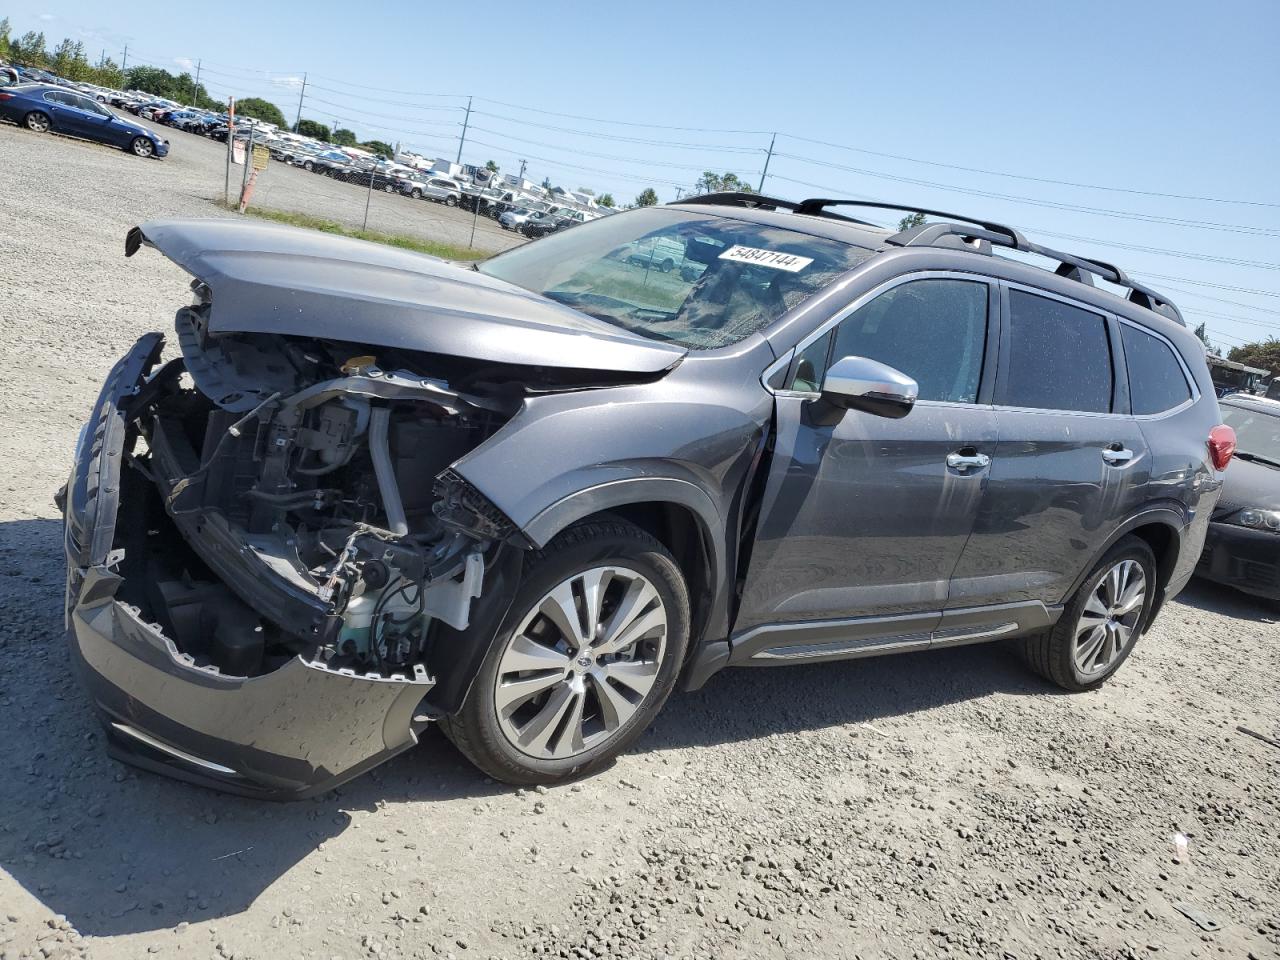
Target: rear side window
1059, 357
1156, 380
933, 330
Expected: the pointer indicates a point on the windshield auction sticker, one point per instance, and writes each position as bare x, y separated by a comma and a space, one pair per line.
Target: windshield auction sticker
767, 258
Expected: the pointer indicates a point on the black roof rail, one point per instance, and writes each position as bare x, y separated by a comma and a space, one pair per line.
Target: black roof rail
761, 202
1069, 265
981, 236
819, 206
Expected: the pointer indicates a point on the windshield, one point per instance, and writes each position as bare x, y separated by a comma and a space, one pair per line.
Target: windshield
699, 280
1257, 434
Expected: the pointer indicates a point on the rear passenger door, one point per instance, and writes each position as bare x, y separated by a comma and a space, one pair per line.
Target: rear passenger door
1071, 463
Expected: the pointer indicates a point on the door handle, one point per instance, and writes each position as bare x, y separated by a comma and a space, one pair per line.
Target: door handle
1117, 455
963, 461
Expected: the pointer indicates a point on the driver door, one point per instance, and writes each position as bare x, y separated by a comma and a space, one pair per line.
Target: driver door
863, 519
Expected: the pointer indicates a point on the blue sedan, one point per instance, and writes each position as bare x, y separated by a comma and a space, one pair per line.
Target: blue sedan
42, 107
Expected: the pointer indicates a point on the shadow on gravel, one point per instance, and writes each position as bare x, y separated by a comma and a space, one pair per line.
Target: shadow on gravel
1216, 598
120, 851
123, 851
746, 703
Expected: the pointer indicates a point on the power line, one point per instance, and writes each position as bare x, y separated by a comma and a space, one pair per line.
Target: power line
611, 136
625, 123
1180, 254
1233, 303
1205, 283
1052, 204
1020, 176
602, 156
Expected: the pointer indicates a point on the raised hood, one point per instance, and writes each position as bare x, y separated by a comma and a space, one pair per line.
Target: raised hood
267, 278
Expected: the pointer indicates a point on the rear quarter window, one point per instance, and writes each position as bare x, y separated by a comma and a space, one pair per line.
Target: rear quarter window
1156, 380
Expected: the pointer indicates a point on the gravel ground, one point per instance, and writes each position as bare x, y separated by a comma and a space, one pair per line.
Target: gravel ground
943, 804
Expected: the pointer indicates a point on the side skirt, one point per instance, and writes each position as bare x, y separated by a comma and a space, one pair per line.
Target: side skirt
823, 640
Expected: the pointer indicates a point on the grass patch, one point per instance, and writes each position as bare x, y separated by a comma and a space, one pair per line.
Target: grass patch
446, 250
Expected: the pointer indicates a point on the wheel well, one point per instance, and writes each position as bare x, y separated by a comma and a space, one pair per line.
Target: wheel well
678, 529
1163, 543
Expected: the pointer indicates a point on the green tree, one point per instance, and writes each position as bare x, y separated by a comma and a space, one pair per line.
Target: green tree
605, 199
379, 147
1209, 345
911, 220
5, 29
313, 129
29, 50
260, 109
491, 166
711, 182
647, 198
68, 60
344, 138
1264, 354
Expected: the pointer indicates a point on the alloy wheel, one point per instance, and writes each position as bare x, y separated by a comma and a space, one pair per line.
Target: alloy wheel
37, 123
143, 147
581, 662
1109, 617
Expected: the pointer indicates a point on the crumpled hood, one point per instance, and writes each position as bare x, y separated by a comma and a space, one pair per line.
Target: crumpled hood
268, 278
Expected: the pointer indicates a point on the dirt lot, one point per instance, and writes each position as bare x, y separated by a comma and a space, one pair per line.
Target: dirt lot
942, 804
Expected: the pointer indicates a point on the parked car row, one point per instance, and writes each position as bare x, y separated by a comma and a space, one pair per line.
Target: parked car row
56, 108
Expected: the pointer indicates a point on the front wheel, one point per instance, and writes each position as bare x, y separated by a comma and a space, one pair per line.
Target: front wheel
37, 122
416, 194
1102, 621
142, 147
450, 201
585, 659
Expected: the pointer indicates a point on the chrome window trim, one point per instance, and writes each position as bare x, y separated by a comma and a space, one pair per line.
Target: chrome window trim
862, 300
782, 363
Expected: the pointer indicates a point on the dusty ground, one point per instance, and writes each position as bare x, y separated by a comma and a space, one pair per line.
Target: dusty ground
942, 804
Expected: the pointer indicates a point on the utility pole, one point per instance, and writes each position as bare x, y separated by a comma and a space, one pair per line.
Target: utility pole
124, 61
522, 166
463, 139
765, 172
195, 89
679, 191
302, 94
102, 59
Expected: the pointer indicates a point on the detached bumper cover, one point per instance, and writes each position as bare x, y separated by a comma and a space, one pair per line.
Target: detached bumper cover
297, 731
1248, 560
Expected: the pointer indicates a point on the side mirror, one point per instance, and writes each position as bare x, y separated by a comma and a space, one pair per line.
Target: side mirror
860, 383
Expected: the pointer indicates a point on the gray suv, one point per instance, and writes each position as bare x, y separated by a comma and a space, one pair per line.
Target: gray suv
527, 499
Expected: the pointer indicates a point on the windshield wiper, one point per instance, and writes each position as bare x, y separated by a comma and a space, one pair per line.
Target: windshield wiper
1256, 458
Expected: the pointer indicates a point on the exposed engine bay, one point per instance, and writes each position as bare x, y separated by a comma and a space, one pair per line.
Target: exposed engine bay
309, 482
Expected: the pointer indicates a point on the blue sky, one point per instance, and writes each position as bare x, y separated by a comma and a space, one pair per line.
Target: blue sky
1159, 101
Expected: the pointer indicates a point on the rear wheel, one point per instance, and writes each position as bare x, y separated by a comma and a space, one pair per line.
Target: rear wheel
142, 147
307, 165
389, 187
585, 659
37, 122
416, 193
1101, 623
450, 201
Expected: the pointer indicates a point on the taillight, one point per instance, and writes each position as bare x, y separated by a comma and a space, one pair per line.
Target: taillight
1222, 446
6, 96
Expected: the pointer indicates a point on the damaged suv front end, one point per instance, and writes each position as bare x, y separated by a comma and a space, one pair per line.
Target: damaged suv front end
269, 557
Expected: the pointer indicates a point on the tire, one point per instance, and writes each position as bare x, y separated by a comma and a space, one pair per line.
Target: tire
1063, 654
142, 147
388, 188
308, 166
37, 122
450, 201
415, 193
565, 725
667, 265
